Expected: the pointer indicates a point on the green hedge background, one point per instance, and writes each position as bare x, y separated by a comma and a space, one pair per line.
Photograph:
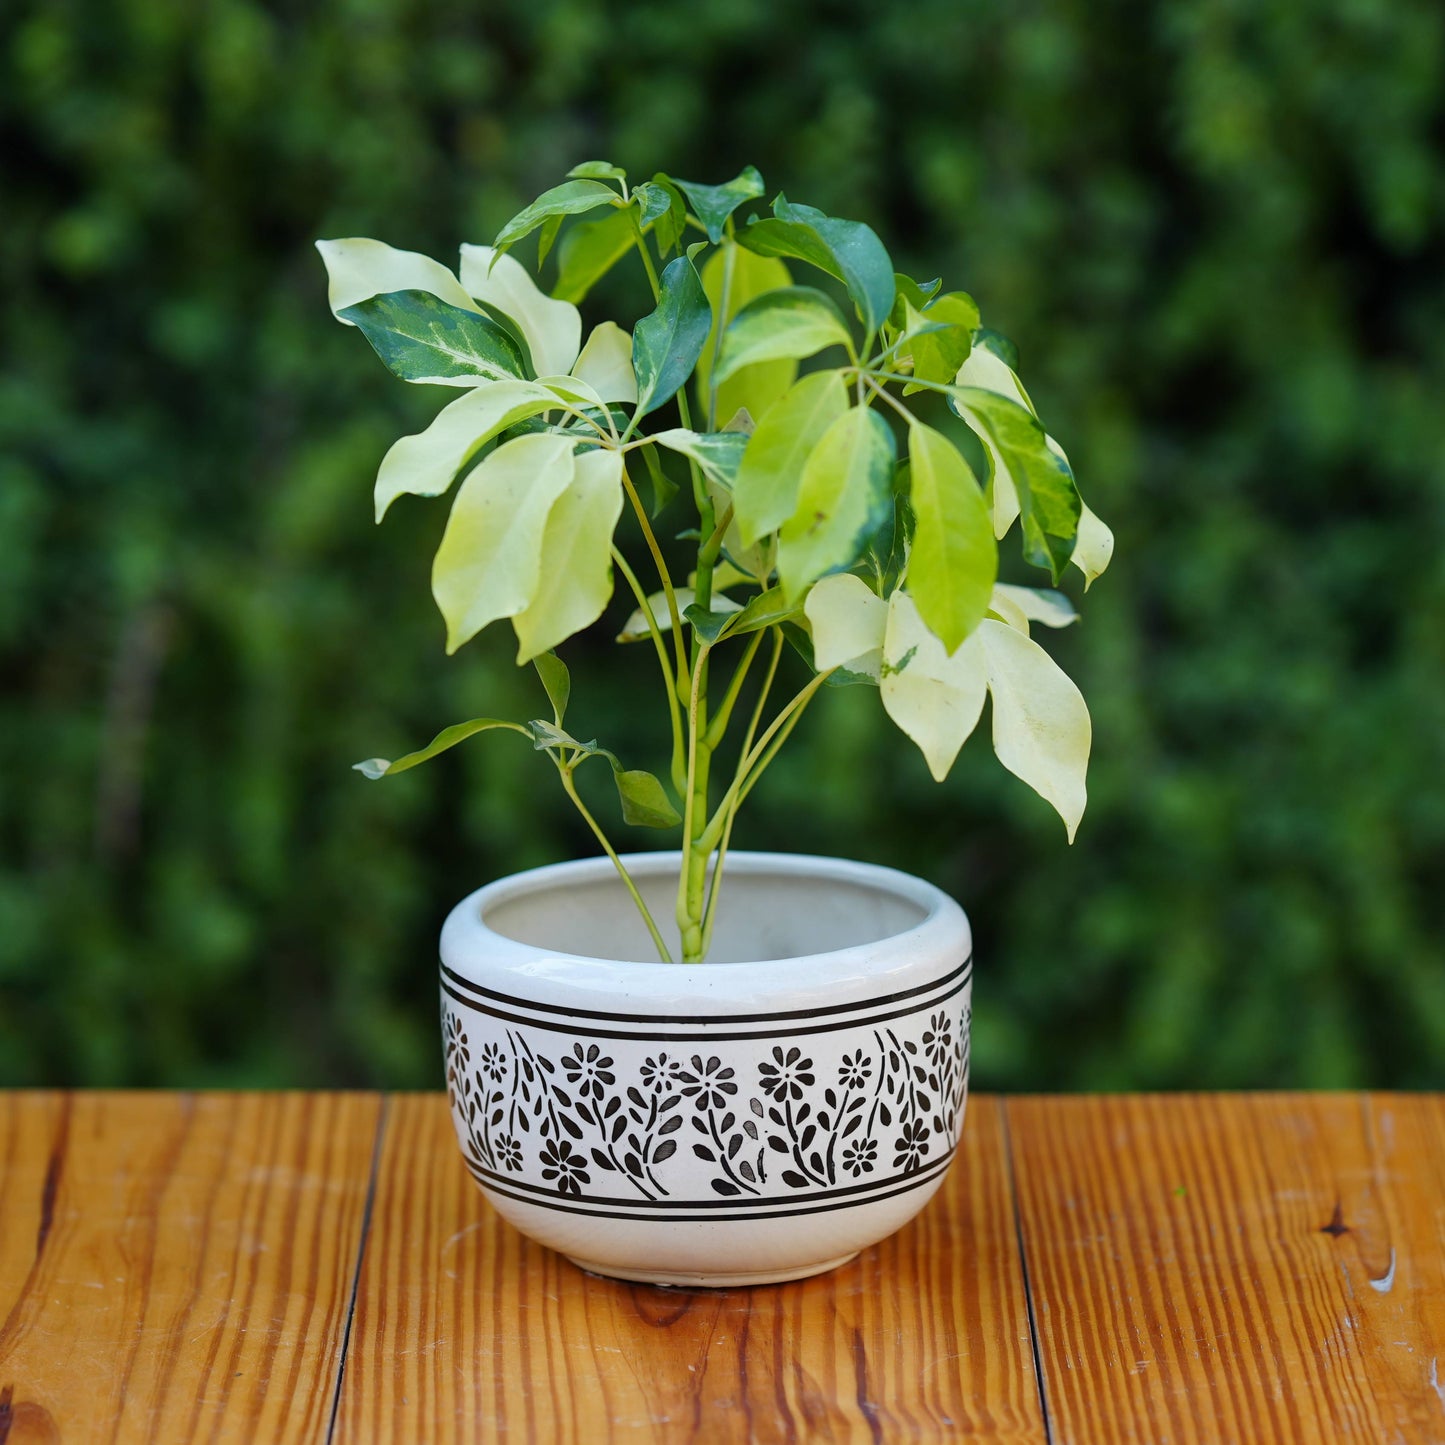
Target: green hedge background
1216, 230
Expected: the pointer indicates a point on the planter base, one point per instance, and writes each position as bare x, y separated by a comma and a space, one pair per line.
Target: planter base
668, 1279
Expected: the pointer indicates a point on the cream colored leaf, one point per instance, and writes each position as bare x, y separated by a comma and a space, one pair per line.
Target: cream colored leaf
424, 465
983, 369
936, 699
1041, 728
636, 626
606, 364
489, 563
1039, 604
576, 569
359, 269
848, 620
1094, 547
551, 329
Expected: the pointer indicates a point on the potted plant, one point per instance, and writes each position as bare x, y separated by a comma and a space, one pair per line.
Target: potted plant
700, 1066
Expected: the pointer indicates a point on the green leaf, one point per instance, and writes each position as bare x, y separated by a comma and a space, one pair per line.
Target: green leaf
489, 562
732, 277
424, 339
447, 738
569, 199
712, 205
844, 490
847, 250
557, 680
849, 621
999, 344
1041, 728
936, 699
667, 342
788, 324
645, 803
765, 493
664, 211
664, 489
426, 464
576, 559
766, 609
550, 330
606, 364
911, 293
954, 561
596, 171
718, 453
589, 250
546, 735
937, 354
1049, 505
358, 269
708, 625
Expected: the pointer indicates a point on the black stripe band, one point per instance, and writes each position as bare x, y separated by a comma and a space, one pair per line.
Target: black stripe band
648, 1029
761, 1208
806, 1013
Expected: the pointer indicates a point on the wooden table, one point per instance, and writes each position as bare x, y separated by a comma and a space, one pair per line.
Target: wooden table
287, 1267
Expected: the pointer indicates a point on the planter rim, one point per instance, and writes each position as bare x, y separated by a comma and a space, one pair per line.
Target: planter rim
467, 940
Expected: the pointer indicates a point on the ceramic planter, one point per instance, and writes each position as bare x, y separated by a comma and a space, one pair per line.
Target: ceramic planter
760, 1117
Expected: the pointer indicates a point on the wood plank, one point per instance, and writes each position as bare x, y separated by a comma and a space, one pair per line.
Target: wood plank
465, 1331
1236, 1267
177, 1267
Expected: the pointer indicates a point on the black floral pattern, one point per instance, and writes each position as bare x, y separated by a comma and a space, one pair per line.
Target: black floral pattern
576, 1117
588, 1071
787, 1076
709, 1084
560, 1161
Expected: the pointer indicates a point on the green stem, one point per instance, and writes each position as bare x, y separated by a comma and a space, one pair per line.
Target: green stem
693, 875
669, 677
727, 833
664, 576
719, 724
713, 832
571, 789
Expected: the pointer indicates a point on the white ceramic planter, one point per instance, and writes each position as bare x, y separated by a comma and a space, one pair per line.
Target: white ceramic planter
760, 1117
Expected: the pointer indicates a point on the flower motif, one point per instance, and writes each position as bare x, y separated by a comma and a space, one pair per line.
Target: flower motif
660, 1073
938, 1038
560, 1161
455, 1037
860, 1156
588, 1071
855, 1071
508, 1152
910, 1146
493, 1061
786, 1077
709, 1084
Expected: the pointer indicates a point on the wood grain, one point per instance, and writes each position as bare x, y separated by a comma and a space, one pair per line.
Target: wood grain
177, 1268
465, 1331
1236, 1268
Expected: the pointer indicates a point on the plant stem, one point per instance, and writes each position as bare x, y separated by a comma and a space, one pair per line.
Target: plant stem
565, 772
713, 832
719, 724
664, 576
693, 876
669, 677
727, 832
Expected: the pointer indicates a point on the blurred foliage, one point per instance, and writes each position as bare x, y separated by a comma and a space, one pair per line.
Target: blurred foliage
1214, 228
